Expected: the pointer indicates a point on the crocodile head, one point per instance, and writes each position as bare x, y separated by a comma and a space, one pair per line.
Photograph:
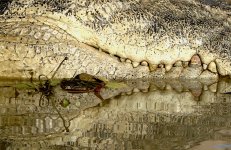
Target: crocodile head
116, 39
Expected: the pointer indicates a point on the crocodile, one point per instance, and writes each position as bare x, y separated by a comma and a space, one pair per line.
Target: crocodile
116, 39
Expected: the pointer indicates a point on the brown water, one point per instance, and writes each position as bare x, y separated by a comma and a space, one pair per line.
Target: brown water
152, 115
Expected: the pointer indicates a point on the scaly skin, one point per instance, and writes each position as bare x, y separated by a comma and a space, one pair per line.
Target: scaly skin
156, 38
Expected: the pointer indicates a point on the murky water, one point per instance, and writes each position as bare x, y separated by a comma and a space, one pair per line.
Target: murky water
160, 115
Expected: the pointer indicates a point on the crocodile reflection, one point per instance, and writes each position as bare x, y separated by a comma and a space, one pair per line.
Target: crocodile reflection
144, 115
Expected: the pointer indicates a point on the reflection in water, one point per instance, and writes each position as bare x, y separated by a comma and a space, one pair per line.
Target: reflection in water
145, 115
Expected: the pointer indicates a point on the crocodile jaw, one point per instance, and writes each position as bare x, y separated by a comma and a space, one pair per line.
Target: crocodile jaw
138, 48
142, 58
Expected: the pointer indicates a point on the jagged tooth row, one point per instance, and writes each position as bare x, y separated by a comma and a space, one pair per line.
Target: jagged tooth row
195, 60
212, 87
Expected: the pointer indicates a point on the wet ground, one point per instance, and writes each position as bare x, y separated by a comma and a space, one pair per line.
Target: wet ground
160, 115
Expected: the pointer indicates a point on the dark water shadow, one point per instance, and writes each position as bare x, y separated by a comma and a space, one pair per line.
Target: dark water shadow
144, 115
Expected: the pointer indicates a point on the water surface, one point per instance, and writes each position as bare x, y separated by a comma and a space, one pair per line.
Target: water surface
161, 115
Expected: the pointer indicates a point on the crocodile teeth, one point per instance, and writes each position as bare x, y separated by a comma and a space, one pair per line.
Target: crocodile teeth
205, 66
128, 61
205, 87
136, 90
185, 64
144, 63
161, 66
212, 67
129, 93
153, 67
168, 87
122, 59
195, 60
196, 93
144, 90
213, 88
135, 64
168, 67
178, 64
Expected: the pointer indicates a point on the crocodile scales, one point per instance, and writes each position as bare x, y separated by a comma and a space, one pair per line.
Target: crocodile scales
120, 39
